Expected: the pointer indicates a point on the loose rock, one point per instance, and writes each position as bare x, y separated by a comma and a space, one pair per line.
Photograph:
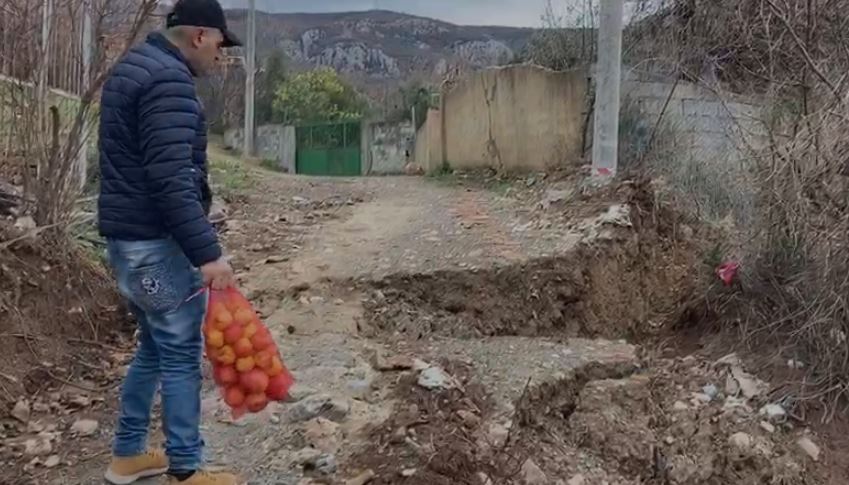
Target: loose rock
322, 434
394, 363
324, 406
809, 447
576, 480
741, 441
52, 461
306, 456
360, 389
362, 479
299, 392
325, 464
435, 378
398, 436
768, 427
773, 412
750, 385
21, 411
532, 474
38, 446
498, 434
470, 419
85, 427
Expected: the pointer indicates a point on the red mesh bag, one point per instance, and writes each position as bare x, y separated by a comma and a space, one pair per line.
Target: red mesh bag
245, 360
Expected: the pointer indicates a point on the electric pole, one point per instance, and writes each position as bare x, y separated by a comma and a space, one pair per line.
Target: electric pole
608, 87
250, 81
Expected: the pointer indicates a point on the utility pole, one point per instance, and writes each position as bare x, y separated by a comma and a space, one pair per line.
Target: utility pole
250, 81
608, 86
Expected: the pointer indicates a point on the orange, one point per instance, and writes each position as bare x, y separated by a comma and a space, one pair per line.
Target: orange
234, 397
256, 402
243, 348
278, 387
250, 330
262, 340
219, 325
225, 375
226, 355
276, 367
232, 334
215, 339
263, 359
216, 309
224, 316
245, 364
232, 304
254, 381
243, 316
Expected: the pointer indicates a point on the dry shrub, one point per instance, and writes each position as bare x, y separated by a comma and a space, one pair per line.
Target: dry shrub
53, 297
789, 208
800, 258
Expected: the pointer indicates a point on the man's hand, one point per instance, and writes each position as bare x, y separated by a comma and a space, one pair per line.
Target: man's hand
218, 274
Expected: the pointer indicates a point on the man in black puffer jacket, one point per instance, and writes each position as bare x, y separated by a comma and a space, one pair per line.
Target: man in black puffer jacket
153, 208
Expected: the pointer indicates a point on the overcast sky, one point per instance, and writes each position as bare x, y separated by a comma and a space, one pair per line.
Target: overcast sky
525, 13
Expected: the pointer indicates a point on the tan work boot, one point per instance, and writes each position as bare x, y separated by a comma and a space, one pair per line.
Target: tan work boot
127, 470
207, 478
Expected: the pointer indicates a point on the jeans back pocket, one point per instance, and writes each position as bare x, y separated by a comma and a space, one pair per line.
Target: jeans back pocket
159, 288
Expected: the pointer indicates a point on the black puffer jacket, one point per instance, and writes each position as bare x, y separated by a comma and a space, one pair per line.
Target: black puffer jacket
153, 153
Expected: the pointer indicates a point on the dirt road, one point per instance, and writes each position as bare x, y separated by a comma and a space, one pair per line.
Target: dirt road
449, 333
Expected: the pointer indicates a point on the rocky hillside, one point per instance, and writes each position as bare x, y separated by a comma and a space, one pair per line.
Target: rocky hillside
383, 45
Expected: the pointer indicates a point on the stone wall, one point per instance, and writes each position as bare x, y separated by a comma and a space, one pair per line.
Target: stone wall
710, 127
704, 144
515, 118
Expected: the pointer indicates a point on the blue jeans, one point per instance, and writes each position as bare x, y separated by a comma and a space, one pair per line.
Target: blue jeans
162, 288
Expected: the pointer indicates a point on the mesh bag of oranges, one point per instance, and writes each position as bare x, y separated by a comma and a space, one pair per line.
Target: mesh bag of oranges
246, 362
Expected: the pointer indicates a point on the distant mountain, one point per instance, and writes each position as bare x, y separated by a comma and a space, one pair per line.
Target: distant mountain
383, 46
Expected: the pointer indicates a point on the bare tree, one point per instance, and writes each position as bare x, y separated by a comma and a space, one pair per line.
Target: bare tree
49, 92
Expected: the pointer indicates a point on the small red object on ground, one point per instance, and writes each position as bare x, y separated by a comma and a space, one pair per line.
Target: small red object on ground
727, 272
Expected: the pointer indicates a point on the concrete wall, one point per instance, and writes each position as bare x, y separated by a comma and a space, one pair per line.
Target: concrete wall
386, 151
273, 142
515, 118
428, 144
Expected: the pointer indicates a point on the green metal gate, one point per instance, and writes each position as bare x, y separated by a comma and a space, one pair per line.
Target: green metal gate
329, 149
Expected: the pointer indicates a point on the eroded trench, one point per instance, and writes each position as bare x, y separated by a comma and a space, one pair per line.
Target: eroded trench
642, 422
615, 291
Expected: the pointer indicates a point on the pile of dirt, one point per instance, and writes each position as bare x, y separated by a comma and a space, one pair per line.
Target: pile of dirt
430, 438
682, 422
66, 339
622, 282
678, 422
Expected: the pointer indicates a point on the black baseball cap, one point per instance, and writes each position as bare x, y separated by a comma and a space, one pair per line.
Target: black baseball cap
202, 13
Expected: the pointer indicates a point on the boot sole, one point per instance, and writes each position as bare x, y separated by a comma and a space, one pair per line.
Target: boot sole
130, 479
